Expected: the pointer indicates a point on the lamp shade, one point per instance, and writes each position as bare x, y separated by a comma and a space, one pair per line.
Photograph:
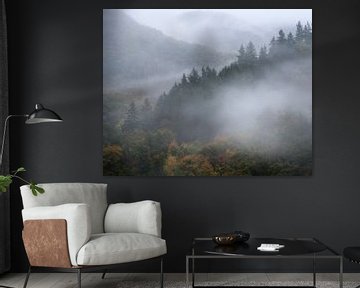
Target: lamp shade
42, 115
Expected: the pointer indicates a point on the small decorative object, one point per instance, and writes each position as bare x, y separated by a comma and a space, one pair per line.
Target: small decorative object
242, 236
225, 239
270, 247
231, 238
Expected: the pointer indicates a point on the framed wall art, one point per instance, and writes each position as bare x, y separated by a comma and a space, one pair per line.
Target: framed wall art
207, 92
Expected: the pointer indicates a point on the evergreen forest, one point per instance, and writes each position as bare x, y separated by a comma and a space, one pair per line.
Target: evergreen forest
251, 117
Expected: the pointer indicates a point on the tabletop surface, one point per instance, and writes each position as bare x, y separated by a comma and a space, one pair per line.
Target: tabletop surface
292, 247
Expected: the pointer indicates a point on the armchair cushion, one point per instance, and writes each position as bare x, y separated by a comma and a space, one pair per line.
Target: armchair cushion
92, 194
78, 221
138, 217
113, 248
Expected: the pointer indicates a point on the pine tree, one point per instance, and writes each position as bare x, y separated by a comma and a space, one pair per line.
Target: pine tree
159, 107
272, 42
184, 80
299, 36
289, 51
146, 111
174, 88
241, 57
203, 72
212, 73
194, 77
290, 40
303, 38
146, 107
263, 55
308, 34
273, 47
281, 40
250, 53
208, 74
131, 120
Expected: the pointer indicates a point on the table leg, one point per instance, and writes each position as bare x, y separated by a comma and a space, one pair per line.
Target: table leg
193, 272
193, 267
341, 273
314, 271
187, 272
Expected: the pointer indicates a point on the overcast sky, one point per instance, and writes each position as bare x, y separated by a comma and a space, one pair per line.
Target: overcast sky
176, 22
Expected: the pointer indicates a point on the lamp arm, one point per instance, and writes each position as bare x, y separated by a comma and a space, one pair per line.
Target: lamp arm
4, 134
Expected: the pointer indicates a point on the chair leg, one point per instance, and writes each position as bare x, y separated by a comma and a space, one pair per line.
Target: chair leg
79, 277
161, 273
27, 277
103, 275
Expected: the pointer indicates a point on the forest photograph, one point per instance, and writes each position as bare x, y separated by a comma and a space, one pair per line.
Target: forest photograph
207, 92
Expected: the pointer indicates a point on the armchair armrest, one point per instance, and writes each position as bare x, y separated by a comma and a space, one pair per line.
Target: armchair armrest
138, 217
78, 225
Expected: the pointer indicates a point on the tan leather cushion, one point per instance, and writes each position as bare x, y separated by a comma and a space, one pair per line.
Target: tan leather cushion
77, 218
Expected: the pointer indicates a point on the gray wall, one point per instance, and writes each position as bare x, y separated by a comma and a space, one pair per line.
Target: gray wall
4, 197
55, 50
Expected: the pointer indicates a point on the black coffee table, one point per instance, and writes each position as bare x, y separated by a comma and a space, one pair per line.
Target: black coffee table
295, 248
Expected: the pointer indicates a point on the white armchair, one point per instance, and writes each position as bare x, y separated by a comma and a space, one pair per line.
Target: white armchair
72, 228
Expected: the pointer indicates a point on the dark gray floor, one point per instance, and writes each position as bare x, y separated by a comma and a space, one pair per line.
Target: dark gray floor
122, 280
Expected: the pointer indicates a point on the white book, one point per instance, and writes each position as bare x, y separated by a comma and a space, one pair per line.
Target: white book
270, 247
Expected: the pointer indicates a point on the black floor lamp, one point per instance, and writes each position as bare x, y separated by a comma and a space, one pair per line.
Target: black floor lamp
39, 115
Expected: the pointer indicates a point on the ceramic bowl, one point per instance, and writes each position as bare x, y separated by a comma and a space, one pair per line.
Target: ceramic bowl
225, 239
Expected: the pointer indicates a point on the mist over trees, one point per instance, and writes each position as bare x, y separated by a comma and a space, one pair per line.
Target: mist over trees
135, 55
251, 117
